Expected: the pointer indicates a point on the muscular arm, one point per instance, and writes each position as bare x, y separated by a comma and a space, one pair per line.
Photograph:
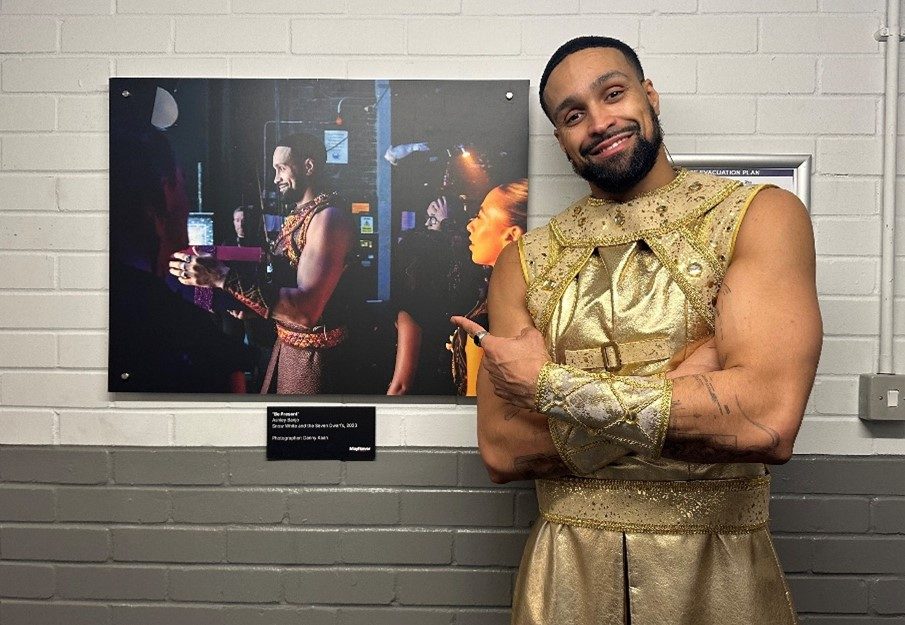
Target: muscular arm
748, 405
512, 448
321, 263
768, 338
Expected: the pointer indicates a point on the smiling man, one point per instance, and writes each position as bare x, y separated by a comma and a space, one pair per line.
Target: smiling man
307, 296
634, 369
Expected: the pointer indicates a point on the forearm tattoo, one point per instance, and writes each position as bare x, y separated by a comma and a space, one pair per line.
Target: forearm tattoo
696, 437
536, 466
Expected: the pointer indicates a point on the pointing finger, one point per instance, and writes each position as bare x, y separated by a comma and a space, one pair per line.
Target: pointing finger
467, 324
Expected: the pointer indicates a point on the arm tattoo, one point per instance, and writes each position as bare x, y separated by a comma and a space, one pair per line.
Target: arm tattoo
511, 413
537, 466
773, 434
693, 445
708, 386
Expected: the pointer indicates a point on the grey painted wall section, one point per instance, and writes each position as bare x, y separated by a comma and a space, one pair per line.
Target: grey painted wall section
115, 536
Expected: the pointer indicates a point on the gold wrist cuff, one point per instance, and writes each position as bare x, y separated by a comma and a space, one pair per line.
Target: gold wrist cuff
632, 411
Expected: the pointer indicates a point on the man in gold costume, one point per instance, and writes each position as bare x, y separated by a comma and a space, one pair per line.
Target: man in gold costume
309, 295
651, 349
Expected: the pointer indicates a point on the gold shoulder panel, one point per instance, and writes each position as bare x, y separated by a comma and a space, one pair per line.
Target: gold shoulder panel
719, 227
532, 250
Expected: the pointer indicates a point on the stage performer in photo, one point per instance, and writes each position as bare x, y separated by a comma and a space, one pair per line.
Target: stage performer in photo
434, 278
651, 349
307, 297
502, 219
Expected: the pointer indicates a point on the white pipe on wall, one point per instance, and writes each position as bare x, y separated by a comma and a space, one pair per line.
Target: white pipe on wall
888, 242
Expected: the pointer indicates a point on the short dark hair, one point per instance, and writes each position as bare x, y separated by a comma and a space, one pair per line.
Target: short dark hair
302, 146
582, 43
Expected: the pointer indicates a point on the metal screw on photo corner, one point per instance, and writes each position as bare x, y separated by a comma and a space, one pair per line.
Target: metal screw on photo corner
509, 95
126, 93
124, 376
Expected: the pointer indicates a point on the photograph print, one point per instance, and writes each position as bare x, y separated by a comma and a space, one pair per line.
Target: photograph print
308, 237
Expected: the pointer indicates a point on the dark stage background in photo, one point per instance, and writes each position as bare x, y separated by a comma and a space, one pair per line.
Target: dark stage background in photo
411, 163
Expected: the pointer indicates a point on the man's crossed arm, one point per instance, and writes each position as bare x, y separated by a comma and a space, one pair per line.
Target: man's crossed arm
738, 398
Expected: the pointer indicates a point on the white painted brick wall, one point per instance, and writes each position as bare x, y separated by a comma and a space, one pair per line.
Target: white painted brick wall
55, 7
700, 34
19, 192
231, 34
822, 34
28, 427
852, 6
54, 232
82, 113
82, 351
53, 311
847, 276
28, 34
540, 37
845, 195
832, 116
330, 36
627, 6
54, 75
286, 7
115, 34
117, 427
285, 66
851, 74
185, 66
27, 271
26, 112
757, 74
849, 155
84, 193
698, 114
28, 350
56, 152
792, 76
849, 316
172, 7
463, 36
762, 6
83, 272
675, 74
520, 7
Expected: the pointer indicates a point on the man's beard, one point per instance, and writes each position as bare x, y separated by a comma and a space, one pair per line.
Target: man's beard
290, 196
617, 176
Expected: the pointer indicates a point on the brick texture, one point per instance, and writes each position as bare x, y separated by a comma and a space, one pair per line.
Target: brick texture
135, 528
82, 530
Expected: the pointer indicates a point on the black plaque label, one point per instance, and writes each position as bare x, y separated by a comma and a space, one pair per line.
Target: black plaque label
320, 433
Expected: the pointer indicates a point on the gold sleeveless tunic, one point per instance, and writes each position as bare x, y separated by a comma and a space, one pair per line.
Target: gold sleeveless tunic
633, 537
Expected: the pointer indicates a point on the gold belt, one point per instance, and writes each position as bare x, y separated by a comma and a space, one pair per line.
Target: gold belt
727, 506
311, 338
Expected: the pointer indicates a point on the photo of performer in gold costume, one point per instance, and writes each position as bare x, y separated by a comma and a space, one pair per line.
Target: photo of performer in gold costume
633, 369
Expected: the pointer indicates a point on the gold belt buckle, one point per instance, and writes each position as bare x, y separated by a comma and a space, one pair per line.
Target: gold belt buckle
611, 362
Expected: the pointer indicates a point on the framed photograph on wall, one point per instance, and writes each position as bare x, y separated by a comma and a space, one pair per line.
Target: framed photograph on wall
307, 237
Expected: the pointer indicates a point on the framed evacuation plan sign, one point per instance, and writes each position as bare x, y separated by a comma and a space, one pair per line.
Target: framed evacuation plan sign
307, 237
791, 172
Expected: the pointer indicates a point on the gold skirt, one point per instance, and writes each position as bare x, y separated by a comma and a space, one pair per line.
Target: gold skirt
618, 552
